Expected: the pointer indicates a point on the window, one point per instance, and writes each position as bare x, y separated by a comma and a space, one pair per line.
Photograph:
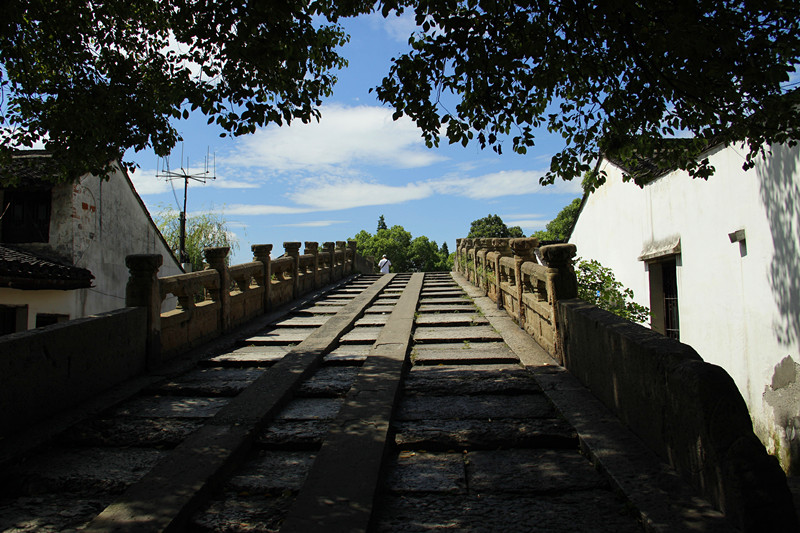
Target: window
664, 296
13, 318
26, 216
48, 319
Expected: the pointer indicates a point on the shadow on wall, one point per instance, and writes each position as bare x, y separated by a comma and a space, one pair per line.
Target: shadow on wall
780, 194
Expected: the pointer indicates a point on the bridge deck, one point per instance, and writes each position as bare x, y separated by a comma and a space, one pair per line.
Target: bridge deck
396, 403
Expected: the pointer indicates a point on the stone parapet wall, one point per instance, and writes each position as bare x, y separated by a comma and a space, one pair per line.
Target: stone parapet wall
213, 301
686, 410
690, 413
46, 370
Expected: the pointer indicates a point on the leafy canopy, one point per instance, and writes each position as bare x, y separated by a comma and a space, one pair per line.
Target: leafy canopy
93, 79
610, 77
407, 254
203, 230
560, 227
492, 226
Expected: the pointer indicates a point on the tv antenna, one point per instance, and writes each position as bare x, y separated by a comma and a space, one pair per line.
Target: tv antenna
163, 171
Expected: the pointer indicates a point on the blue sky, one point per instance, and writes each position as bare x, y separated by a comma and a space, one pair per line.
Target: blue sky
327, 181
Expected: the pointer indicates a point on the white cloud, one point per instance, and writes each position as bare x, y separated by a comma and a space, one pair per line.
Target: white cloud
398, 28
504, 183
348, 193
255, 209
312, 224
345, 137
527, 224
145, 182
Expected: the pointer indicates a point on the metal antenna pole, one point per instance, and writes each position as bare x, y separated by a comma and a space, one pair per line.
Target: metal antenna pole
185, 175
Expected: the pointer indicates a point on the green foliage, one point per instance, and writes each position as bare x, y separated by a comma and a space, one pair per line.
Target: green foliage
202, 231
492, 226
660, 70
560, 227
419, 254
382, 223
93, 79
597, 285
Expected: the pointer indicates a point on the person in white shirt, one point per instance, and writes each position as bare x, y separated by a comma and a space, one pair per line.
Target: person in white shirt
384, 264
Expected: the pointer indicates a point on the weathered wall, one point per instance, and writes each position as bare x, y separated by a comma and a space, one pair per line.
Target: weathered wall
109, 223
46, 370
95, 224
687, 411
739, 305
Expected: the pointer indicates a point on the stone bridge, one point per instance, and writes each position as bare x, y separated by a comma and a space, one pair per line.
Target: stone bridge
304, 393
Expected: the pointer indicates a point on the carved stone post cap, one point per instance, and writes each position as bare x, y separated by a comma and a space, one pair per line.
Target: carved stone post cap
523, 247
261, 248
216, 254
458, 243
483, 242
500, 244
292, 248
311, 247
144, 262
328, 246
468, 243
558, 254
341, 245
352, 244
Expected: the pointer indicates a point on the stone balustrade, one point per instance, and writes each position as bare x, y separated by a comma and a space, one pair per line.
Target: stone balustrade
509, 273
687, 411
221, 297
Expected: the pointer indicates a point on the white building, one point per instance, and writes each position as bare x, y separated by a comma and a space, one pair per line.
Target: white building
63, 246
718, 263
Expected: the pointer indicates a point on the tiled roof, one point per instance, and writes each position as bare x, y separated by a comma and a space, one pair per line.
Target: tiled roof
24, 269
30, 169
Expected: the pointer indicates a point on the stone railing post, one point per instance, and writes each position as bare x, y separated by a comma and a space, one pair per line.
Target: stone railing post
457, 256
261, 253
351, 250
292, 249
482, 247
341, 246
217, 260
328, 248
523, 249
142, 291
313, 249
466, 260
561, 285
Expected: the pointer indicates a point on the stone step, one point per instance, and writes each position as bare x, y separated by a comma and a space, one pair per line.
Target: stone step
450, 319
460, 356
482, 407
466, 307
210, 382
373, 320
302, 321
279, 336
465, 334
250, 355
449, 379
484, 434
365, 335
442, 301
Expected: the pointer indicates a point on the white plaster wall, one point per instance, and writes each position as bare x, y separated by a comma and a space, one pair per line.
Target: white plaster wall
109, 223
738, 311
95, 224
49, 302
